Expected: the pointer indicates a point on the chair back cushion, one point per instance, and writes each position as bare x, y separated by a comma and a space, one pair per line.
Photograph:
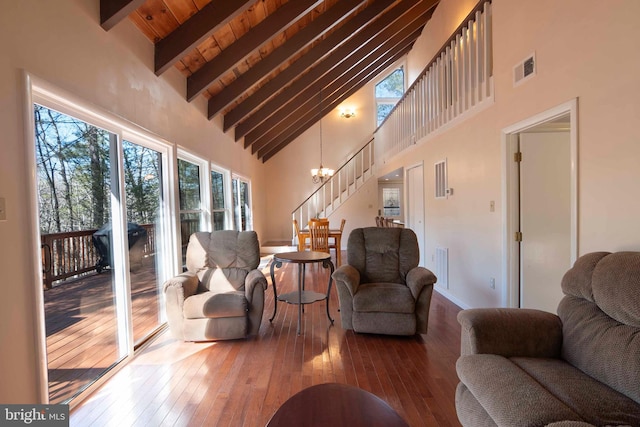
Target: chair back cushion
600, 316
222, 259
383, 254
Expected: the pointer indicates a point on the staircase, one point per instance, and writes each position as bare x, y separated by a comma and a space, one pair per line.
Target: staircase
337, 190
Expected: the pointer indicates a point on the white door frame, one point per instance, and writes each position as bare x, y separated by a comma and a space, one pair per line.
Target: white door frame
510, 190
409, 202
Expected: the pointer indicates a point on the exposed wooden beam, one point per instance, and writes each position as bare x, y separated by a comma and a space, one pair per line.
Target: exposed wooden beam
195, 30
354, 52
290, 129
331, 83
316, 113
295, 69
303, 38
278, 21
114, 11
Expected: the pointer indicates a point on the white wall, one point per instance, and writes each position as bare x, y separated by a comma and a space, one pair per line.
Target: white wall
583, 51
62, 42
341, 139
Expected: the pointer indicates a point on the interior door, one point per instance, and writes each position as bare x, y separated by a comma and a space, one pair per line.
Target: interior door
415, 205
545, 217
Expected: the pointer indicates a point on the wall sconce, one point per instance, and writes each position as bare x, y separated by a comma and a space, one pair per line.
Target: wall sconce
347, 113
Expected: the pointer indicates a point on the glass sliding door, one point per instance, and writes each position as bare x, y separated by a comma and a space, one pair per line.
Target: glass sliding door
147, 235
76, 184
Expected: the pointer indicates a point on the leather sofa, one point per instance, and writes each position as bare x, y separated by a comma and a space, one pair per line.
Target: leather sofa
523, 367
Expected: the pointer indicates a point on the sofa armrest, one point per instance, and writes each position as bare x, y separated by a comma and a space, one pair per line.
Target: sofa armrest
348, 276
254, 282
183, 285
510, 332
176, 290
418, 278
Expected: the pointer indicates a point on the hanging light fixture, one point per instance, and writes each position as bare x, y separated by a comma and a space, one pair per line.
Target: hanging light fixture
322, 173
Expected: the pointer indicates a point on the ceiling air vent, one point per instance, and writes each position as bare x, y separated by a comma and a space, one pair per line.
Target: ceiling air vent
524, 70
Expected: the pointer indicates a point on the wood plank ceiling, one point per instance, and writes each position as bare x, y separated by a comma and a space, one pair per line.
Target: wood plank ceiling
273, 68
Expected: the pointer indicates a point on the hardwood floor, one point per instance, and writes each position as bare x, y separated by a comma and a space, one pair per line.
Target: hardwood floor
243, 382
81, 324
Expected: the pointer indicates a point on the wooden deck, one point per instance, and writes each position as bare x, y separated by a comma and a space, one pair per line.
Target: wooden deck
243, 382
81, 325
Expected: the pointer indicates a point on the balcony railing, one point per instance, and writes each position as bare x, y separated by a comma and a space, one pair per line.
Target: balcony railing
457, 82
73, 253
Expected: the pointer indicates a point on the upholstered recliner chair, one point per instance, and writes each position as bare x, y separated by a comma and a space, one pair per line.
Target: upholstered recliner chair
381, 288
525, 367
221, 295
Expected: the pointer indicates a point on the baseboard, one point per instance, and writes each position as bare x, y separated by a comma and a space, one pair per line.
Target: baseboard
451, 298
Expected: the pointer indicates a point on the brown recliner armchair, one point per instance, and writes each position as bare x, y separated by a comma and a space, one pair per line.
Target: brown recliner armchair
221, 295
381, 288
526, 367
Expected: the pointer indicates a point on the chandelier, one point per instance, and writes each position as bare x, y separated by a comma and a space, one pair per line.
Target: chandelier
321, 173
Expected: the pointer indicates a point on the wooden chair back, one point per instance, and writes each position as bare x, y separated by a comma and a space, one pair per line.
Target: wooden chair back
319, 232
302, 239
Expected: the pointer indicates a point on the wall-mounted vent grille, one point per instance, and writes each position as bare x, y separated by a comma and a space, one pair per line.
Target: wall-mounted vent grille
442, 267
524, 70
441, 179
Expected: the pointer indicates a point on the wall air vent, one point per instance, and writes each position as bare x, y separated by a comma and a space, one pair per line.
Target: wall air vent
524, 70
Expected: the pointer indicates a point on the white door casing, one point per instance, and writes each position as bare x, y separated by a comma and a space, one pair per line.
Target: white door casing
511, 189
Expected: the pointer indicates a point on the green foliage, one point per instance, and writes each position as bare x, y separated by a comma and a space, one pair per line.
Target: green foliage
74, 175
392, 86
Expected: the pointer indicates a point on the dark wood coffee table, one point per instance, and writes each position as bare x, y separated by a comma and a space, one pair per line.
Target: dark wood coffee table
335, 405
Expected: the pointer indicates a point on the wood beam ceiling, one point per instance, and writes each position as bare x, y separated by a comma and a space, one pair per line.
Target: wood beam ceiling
373, 41
262, 64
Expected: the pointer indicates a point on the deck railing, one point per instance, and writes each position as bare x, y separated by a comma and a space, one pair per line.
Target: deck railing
73, 253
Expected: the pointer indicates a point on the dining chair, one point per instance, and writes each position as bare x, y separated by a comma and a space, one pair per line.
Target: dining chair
319, 233
302, 238
334, 243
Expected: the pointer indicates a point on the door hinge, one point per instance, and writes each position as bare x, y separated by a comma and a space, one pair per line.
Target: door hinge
517, 157
518, 236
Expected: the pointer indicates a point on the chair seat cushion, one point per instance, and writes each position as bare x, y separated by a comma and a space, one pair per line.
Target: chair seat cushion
383, 297
214, 305
542, 391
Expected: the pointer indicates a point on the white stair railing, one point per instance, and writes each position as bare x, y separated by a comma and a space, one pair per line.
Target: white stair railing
335, 191
458, 80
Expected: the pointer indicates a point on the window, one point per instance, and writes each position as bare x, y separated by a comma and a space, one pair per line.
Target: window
388, 93
219, 192
192, 214
242, 204
391, 201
